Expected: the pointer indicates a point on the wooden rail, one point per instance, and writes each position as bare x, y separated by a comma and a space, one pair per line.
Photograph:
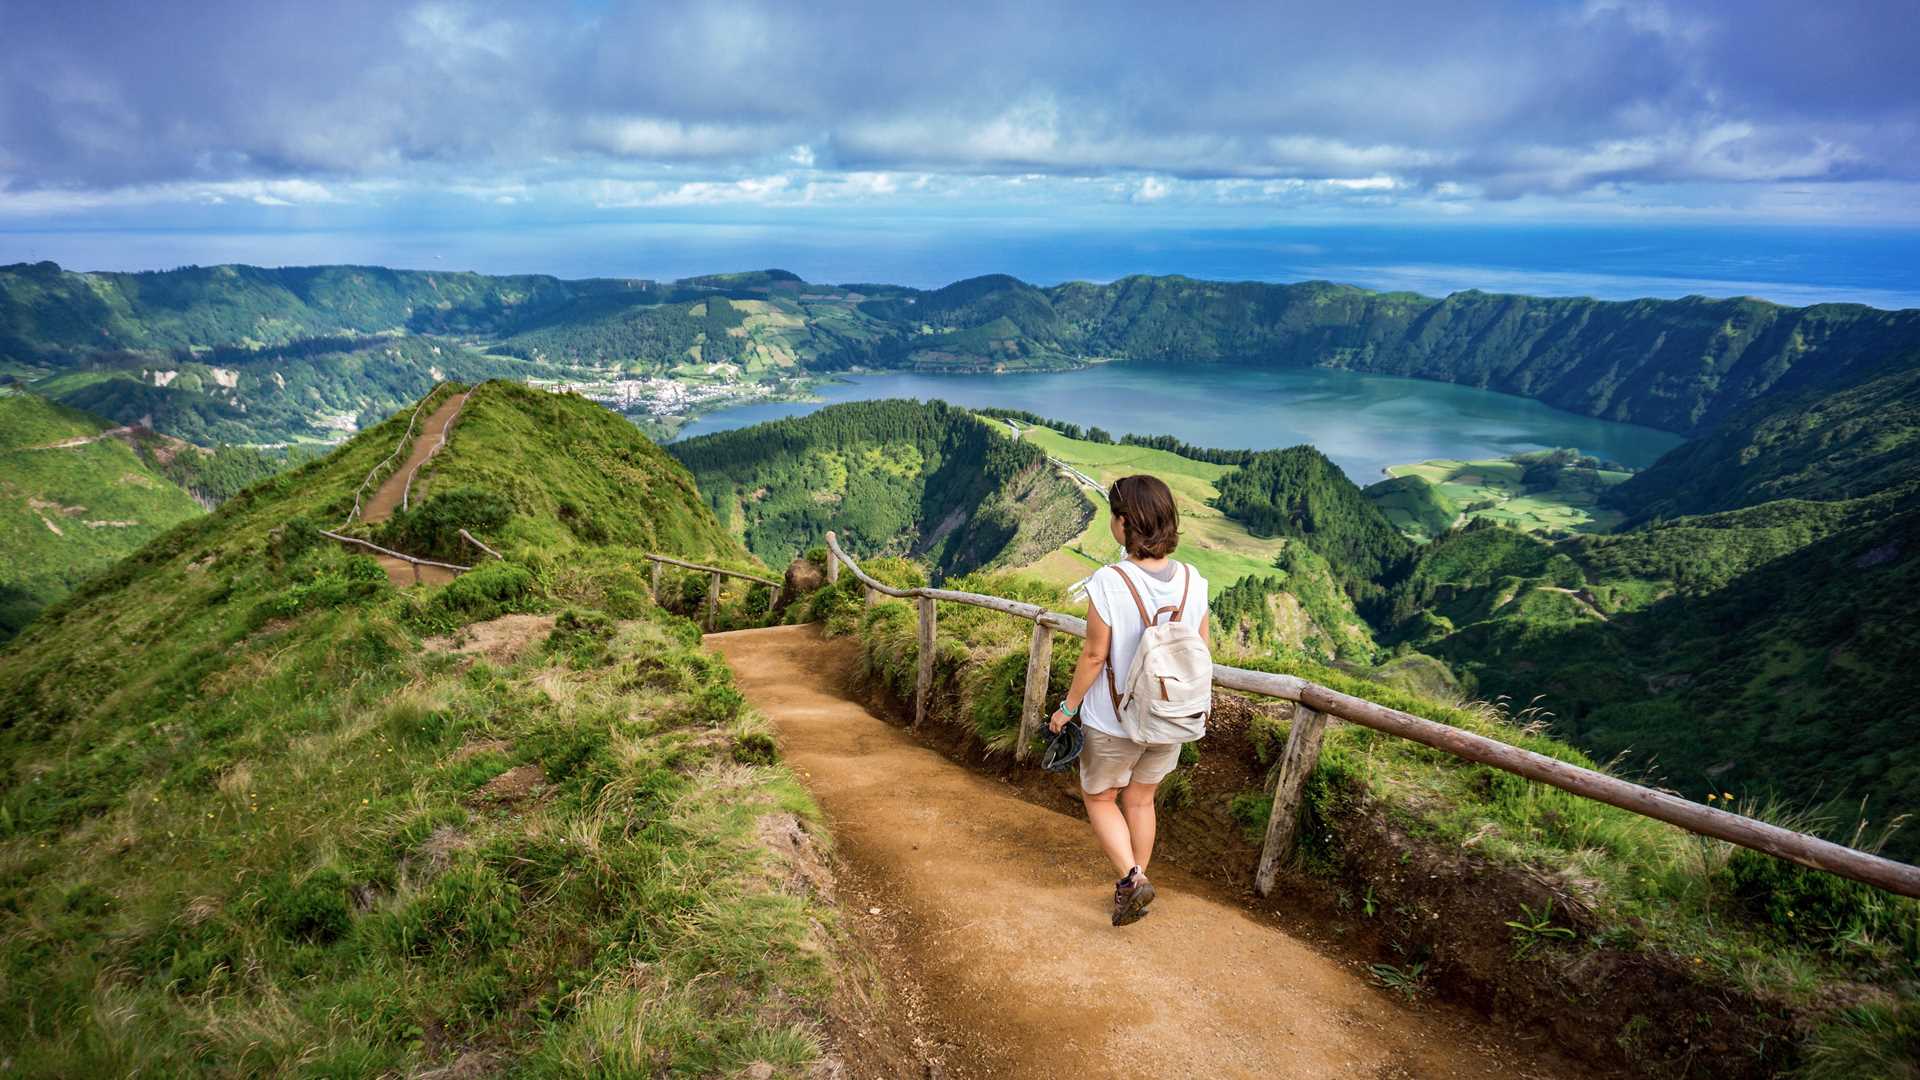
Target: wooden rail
345, 539
406, 493
475, 541
405, 438
713, 584
1315, 703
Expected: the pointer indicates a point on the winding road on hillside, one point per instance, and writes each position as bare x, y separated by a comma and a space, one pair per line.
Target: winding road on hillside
1001, 906
387, 498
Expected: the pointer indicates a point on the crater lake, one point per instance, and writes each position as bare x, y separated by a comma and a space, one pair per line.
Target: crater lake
1363, 422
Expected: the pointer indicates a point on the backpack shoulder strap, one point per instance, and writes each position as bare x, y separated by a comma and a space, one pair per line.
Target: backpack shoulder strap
1139, 604
1113, 687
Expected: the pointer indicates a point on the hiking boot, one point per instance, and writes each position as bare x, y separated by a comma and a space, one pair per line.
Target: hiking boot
1131, 897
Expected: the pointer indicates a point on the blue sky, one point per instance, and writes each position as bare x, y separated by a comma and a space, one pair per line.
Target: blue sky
217, 127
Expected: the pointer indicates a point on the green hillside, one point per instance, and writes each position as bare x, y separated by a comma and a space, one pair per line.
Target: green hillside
891, 477
315, 391
1417, 506
69, 511
1755, 651
1821, 444
1680, 365
48, 314
1300, 494
1554, 492
1219, 547
264, 815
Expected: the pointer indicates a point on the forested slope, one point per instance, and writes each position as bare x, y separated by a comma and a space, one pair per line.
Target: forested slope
1760, 650
1820, 444
1299, 493
892, 477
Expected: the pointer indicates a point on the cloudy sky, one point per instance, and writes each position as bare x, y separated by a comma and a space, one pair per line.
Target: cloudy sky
269, 118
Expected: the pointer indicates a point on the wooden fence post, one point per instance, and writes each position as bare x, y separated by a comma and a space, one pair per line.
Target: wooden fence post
773, 599
872, 597
657, 566
713, 598
923, 686
1033, 703
833, 562
1289, 795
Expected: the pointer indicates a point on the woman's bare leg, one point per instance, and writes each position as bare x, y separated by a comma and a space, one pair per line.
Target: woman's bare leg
1136, 805
1110, 828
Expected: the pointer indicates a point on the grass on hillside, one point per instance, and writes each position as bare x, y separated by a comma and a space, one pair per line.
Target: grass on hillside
254, 824
1217, 546
1493, 489
67, 513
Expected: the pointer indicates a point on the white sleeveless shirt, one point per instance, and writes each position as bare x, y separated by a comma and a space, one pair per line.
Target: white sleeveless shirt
1108, 595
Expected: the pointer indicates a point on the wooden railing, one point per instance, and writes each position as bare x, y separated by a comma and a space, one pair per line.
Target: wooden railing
713, 583
406, 493
1315, 703
401, 555
406, 437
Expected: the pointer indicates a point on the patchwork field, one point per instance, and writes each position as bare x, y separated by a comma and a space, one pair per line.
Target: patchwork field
1497, 489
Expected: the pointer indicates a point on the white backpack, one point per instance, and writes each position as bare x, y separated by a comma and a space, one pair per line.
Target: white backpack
1169, 686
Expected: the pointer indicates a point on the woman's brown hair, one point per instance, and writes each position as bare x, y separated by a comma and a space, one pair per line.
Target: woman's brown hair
1148, 518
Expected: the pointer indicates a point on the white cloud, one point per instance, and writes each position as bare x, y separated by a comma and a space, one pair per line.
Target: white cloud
651, 137
1368, 183
617, 194
1151, 189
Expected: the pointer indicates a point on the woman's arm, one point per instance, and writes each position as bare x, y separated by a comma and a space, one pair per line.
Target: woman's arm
1093, 656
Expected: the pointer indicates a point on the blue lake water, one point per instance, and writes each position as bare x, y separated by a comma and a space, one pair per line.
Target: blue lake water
1363, 422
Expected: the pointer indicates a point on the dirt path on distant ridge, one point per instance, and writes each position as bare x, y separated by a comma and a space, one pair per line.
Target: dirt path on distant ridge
1001, 909
386, 499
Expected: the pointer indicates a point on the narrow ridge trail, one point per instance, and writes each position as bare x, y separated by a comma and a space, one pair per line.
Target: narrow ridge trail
386, 498
1001, 910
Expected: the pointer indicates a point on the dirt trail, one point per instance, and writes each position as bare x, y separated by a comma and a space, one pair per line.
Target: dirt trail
87, 440
1002, 908
386, 499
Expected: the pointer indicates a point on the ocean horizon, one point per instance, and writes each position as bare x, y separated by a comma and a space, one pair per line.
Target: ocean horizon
1794, 265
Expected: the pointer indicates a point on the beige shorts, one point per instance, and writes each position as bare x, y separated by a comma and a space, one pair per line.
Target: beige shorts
1109, 761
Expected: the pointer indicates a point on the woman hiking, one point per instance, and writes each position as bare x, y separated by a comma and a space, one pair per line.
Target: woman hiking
1119, 771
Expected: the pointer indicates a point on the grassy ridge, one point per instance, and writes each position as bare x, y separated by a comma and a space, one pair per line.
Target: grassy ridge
257, 821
